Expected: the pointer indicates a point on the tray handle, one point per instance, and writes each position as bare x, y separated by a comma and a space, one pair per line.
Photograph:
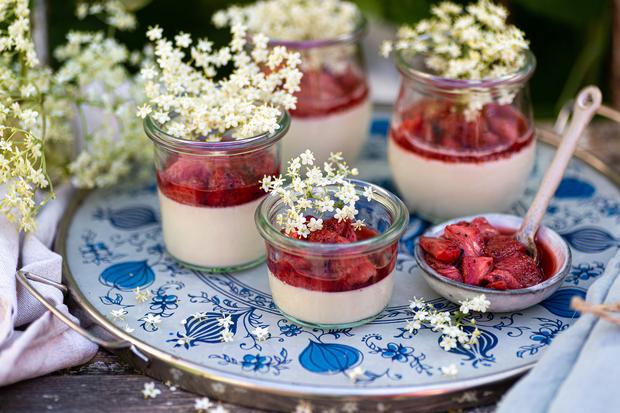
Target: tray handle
24, 277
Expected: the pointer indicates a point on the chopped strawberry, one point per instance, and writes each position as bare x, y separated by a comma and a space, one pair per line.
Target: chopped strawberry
353, 272
523, 268
500, 280
503, 246
467, 237
486, 229
475, 268
442, 249
447, 270
323, 92
216, 181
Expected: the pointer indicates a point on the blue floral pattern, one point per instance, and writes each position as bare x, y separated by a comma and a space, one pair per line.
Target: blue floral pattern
123, 249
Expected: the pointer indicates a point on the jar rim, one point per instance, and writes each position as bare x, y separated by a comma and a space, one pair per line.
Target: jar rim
360, 30
520, 76
393, 233
161, 137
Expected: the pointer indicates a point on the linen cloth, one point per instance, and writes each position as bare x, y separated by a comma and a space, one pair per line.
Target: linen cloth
580, 371
32, 341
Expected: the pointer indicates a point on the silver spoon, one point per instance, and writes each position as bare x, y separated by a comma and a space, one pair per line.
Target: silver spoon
585, 107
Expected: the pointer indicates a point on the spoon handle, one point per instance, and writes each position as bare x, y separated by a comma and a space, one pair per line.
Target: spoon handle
587, 103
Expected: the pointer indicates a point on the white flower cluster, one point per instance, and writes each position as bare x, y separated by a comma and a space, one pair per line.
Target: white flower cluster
188, 102
311, 189
449, 325
225, 322
38, 108
293, 19
112, 12
471, 43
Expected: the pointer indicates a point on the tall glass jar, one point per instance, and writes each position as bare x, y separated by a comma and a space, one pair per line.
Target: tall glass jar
460, 147
334, 285
333, 106
208, 192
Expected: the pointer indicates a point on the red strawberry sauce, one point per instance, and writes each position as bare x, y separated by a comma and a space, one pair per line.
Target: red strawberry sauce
216, 181
478, 253
332, 273
436, 130
324, 92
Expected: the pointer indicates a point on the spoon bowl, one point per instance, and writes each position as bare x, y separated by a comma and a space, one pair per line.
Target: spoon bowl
501, 300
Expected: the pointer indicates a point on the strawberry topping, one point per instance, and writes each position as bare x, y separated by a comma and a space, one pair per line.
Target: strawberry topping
324, 92
216, 181
434, 129
338, 273
486, 256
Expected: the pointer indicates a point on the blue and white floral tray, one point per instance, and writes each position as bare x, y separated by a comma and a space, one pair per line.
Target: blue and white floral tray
114, 233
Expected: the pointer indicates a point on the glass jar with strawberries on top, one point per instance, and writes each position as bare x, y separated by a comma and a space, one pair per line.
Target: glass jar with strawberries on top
214, 141
462, 136
333, 107
331, 242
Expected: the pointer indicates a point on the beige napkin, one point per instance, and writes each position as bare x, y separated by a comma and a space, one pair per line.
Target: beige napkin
32, 341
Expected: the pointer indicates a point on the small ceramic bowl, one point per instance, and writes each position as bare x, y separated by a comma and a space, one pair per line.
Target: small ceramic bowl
501, 300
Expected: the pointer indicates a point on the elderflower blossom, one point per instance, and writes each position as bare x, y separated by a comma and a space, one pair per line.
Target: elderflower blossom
113, 12
298, 21
313, 190
293, 19
187, 100
39, 110
456, 328
474, 42
471, 43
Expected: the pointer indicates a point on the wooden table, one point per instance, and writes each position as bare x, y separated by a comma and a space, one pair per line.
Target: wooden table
107, 384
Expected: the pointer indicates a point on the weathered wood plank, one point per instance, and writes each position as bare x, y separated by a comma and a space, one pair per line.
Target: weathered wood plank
95, 394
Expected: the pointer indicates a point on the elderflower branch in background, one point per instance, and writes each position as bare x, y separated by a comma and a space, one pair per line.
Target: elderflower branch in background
39, 109
186, 100
307, 188
456, 328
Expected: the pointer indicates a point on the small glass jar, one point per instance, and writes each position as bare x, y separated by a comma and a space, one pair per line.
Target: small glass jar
460, 147
334, 285
333, 106
208, 192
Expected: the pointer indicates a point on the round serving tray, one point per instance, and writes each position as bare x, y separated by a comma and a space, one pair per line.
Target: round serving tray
111, 242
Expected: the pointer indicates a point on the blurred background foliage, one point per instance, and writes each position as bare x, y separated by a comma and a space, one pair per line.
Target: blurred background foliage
571, 38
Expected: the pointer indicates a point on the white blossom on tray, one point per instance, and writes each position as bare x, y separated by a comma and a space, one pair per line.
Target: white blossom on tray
261, 333
309, 189
118, 314
450, 371
188, 100
456, 328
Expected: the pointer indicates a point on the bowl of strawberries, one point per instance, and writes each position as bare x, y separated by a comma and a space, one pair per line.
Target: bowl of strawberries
466, 257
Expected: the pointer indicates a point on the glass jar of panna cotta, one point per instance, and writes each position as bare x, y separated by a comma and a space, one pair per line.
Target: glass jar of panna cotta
333, 106
460, 147
342, 279
208, 192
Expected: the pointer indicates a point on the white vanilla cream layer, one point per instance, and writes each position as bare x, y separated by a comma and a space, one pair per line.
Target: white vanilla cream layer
440, 190
215, 237
342, 307
343, 131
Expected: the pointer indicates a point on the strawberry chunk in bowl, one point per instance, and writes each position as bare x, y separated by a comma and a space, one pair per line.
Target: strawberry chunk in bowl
491, 262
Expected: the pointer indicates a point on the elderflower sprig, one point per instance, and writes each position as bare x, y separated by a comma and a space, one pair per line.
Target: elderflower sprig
311, 189
456, 328
293, 19
185, 98
474, 42
112, 12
